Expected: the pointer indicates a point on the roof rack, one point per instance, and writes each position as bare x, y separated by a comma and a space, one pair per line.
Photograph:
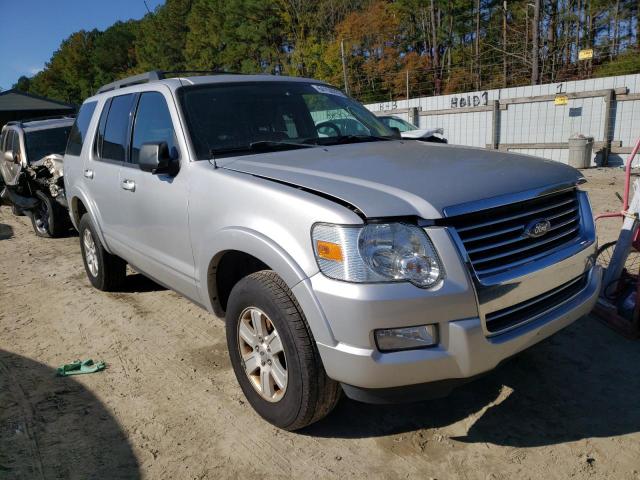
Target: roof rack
155, 75
134, 80
37, 119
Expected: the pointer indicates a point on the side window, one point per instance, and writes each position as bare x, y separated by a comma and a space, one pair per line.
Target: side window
114, 141
2, 137
80, 127
152, 125
15, 144
8, 141
97, 146
399, 125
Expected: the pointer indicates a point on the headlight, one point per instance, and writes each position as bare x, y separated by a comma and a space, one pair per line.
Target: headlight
377, 252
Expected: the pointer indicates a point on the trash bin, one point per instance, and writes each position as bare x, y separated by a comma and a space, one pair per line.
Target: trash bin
580, 149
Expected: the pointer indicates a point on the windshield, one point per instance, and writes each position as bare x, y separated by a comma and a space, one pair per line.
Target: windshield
240, 118
41, 143
400, 124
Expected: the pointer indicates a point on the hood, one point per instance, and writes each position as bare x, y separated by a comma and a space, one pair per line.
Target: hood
422, 133
396, 178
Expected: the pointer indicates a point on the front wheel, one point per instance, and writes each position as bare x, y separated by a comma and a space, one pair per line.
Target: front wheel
274, 355
49, 219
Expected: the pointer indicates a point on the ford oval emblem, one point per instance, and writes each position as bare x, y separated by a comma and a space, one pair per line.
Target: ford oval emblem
537, 228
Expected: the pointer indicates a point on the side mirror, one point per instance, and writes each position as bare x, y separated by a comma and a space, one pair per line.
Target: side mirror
396, 132
156, 158
9, 156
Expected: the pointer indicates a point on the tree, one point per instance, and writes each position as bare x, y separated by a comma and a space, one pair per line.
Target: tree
161, 37
429, 46
23, 84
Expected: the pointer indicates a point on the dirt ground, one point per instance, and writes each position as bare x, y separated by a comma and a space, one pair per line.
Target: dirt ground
168, 405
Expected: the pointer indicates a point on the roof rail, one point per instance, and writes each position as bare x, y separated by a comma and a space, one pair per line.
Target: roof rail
37, 119
156, 75
200, 72
134, 80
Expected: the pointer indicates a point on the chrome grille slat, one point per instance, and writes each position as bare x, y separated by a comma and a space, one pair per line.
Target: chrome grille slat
493, 234
562, 214
528, 247
514, 217
508, 266
563, 224
494, 239
517, 239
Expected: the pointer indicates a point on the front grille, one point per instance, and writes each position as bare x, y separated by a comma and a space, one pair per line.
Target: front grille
523, 312
494, 238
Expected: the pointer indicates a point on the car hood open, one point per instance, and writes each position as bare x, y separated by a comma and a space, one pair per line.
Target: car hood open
405, 178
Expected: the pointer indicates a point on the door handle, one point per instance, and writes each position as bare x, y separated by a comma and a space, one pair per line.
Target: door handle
128, 185
88, 173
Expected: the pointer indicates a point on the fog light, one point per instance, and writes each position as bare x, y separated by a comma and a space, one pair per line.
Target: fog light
390, 339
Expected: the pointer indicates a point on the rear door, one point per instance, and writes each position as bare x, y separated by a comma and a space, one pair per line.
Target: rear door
83, 129
154, 208
102, 166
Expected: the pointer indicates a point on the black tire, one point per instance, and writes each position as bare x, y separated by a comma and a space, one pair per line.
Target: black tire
605, 252
49, 219
111, 270
309, 395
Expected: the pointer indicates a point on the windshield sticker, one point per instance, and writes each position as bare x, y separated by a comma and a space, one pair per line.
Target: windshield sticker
329, 90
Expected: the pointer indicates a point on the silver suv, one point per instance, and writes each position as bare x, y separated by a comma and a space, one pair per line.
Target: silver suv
31, 169
389, 269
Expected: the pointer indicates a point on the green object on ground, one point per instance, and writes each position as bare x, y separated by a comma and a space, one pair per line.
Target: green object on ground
80, 368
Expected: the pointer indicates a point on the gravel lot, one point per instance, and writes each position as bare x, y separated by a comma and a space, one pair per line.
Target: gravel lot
168, 406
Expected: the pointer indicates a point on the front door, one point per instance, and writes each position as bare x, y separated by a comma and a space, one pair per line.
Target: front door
154, 207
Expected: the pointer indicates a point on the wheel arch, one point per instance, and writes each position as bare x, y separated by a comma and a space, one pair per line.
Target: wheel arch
237, 252
78, 206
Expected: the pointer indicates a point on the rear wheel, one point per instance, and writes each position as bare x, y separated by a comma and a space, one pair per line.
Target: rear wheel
274, 355
105, 271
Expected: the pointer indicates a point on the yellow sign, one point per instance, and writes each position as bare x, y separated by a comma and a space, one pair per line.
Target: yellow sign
561, 100
586, 54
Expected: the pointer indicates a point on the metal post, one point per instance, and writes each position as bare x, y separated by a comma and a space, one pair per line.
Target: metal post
495, 125
344, 67
608, 104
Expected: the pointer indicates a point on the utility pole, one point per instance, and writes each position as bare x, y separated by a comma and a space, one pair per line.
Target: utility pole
478, 72
535, 71
344, 67
504, 43
407, 88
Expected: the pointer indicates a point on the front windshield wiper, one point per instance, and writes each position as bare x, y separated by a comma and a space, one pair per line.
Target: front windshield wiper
344, 139
277, 145
260, 146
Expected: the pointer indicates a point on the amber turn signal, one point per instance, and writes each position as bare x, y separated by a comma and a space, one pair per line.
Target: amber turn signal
329, 251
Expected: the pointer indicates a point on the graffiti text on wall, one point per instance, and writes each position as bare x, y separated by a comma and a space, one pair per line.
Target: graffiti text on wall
476, 100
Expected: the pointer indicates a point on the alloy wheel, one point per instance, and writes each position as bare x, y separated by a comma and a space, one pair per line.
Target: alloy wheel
41, 218
90, 254
262, 353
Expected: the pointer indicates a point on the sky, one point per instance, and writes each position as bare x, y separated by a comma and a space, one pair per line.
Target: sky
33, 29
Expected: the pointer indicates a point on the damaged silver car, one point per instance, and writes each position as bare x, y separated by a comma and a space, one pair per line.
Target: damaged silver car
31, 167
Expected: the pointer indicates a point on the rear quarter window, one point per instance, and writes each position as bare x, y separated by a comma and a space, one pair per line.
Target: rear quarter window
80, 127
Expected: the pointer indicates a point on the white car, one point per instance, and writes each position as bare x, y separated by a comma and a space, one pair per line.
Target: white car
409, 130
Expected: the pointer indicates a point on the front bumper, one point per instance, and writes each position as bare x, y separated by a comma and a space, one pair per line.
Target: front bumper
464, 351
